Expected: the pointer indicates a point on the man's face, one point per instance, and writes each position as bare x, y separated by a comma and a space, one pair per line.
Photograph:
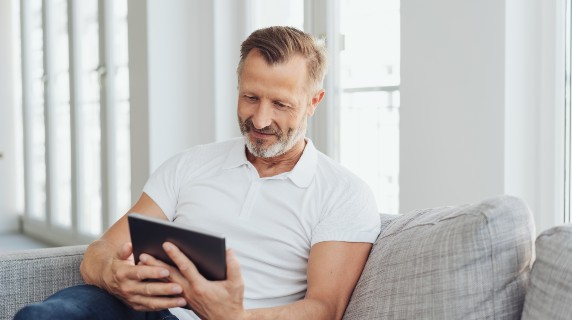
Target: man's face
273, 104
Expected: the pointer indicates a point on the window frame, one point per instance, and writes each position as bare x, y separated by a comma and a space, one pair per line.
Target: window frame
567, 123
551, 172
322, 20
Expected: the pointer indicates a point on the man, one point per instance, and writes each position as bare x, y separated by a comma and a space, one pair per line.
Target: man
299, 226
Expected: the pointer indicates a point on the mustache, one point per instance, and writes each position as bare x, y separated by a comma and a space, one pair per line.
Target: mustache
248, 125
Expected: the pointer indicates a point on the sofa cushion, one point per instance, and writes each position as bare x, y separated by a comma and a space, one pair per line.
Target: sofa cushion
463, 262
550, 292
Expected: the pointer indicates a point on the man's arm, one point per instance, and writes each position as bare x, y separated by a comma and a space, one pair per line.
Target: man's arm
333, 271
108, 264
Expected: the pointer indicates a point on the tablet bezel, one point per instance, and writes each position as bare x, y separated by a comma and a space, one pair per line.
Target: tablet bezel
206, 250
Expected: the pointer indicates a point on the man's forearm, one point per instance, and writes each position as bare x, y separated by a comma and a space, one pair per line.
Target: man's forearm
303, 309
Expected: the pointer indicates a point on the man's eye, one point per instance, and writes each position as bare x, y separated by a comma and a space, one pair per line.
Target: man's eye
279, 104
251, 98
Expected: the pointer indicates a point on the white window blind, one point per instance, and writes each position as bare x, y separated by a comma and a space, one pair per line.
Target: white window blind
75, 100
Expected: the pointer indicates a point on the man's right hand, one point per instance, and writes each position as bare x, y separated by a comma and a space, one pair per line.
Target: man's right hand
144, 288
108, 263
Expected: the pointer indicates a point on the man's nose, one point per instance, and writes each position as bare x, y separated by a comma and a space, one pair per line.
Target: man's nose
262, 117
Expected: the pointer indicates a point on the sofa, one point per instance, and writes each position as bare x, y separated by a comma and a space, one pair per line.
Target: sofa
474, 261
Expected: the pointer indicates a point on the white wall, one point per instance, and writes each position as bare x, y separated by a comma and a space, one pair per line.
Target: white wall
168, 88
9, 186
478, 115
452, 102
183, 59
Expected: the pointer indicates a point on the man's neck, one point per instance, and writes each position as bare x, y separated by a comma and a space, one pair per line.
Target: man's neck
268, 167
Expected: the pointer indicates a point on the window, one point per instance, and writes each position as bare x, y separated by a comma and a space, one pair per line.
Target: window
264, 14
75, 117
369, 108
364, 111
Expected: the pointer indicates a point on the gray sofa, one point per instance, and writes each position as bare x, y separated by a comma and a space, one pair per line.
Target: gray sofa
458, 262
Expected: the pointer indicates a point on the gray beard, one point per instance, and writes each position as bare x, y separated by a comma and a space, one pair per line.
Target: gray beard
280, 147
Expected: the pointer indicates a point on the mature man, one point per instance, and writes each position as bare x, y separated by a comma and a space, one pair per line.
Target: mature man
299, 226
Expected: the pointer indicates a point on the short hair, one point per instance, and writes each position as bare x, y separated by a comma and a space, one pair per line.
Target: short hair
278, 44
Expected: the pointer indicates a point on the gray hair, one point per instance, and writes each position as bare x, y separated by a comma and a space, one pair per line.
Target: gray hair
278, 44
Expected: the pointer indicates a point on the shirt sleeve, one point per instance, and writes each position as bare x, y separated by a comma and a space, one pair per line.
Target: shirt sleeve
351, 215
164, 184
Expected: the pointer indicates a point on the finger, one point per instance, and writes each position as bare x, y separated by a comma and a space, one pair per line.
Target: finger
149, 260
126, 251
174, 274
185, 265
155, 288
233, 272
142, 272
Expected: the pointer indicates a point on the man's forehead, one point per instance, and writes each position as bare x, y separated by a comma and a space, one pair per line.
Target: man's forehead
257, 55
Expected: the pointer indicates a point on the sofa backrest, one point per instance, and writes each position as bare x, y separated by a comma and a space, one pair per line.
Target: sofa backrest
461, 262
549, 294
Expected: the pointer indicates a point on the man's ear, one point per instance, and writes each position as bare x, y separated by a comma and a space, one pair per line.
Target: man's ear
316, 99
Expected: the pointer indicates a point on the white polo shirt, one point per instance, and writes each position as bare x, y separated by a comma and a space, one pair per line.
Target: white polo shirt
271, 223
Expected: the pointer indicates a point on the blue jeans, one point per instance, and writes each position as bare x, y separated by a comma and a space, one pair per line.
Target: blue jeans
86, 302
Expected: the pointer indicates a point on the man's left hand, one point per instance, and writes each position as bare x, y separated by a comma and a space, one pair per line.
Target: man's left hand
208, 299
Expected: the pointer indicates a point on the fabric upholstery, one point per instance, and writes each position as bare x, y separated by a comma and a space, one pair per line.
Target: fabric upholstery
386, 220
33, 275
463, 262
550, 293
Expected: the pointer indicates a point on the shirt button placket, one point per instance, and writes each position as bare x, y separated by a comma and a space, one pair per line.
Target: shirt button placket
251, 198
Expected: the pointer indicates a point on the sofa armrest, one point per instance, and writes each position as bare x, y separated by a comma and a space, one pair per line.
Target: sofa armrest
33, 275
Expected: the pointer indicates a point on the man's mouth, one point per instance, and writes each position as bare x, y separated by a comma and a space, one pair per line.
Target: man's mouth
247, 127
265, 132
258, 134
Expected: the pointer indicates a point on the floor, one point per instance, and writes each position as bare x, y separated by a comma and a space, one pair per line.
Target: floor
14, 242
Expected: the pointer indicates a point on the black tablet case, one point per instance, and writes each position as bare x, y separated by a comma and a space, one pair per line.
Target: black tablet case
206, 251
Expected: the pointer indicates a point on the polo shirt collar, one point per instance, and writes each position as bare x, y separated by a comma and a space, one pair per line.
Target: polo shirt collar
237, 155
304, 171
302, 174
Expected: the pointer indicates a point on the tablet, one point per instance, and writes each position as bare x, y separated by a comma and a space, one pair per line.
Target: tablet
207, 251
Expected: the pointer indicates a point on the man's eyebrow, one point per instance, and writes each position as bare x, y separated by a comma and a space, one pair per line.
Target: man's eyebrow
282, 101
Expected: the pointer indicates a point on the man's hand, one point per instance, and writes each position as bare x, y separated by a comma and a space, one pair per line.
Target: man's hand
208, 299
108, 264
144, 288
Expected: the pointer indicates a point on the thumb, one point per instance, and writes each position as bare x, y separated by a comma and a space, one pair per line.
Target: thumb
233, 272
125, 251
